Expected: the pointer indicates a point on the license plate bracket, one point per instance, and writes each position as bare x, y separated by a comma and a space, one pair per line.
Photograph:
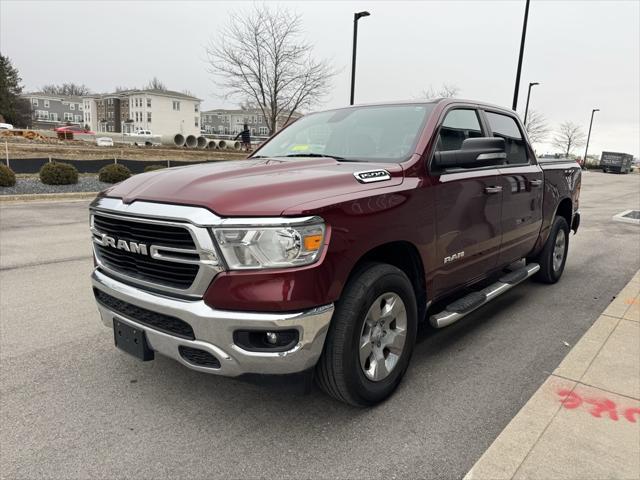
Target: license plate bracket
132, 340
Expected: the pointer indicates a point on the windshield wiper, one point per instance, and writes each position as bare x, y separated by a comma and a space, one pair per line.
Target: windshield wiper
319, 155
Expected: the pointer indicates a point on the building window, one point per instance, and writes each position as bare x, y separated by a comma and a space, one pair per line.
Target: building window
72, 106
195, 107
53, 116
197, 121
176, 105
46, 104
263, 130
34, 102
149, 103
68, 117
148, 117
220, 129
78, 118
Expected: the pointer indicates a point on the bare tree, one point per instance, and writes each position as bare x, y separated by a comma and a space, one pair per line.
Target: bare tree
259, 58
66, 89
446, 91
568, 137
156, 84
537, 127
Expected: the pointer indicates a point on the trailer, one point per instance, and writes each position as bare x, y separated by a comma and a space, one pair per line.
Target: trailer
616, 162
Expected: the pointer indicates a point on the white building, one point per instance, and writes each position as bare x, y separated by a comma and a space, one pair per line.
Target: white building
164, 112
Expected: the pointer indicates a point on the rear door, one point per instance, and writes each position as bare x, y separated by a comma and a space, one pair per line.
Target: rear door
468, 209
522, 186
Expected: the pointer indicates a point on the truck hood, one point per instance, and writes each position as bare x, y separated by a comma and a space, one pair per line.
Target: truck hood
261, 187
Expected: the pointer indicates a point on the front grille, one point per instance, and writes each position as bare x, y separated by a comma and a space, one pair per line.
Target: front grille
144, 267
199, 357
172, 274
149, 233
157, 321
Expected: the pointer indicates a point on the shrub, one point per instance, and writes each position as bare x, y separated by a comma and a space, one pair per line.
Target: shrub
113, 173
151, 168
7, 177
56, 173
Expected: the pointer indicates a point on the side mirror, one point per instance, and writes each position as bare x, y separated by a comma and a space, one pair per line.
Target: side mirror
475, 152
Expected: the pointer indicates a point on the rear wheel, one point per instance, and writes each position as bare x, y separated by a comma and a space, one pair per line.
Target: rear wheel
371, 337
553, 256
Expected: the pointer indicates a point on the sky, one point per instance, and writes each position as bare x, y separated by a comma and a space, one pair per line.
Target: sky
584, 54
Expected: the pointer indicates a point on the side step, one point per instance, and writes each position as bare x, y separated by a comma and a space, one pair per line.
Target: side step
464, 306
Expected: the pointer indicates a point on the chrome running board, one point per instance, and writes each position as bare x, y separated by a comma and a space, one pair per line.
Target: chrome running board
467, 304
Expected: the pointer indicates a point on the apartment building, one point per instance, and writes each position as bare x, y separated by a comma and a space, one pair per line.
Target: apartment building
230, 122
164, 112
50, 111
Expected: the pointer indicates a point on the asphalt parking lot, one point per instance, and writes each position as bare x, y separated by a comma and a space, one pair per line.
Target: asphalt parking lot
72, 406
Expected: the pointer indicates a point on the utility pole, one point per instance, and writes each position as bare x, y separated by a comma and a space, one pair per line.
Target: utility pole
524, 35
586, 148
356, 16
526, 109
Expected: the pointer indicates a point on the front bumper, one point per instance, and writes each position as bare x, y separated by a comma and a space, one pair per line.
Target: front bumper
213, 330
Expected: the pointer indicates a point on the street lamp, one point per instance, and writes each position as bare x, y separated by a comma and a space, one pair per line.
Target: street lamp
526, 109
524, 35
356, 16
586, 148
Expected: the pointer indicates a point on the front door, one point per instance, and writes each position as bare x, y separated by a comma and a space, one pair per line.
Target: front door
468, 210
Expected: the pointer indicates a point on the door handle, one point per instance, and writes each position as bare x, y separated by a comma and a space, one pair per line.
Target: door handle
491, 190
535, 183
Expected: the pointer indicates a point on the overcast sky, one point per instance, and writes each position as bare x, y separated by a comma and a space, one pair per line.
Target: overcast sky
585, 54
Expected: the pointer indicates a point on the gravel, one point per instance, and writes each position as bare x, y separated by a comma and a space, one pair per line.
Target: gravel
34, 185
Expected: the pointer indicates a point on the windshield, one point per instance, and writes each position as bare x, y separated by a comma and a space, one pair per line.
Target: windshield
381, 133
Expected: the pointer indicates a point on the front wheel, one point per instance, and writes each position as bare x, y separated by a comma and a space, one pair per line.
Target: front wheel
371, 337
553, 256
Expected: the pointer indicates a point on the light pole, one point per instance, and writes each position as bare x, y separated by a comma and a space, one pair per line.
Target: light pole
586, 148
524, 35
526, 109
356, 16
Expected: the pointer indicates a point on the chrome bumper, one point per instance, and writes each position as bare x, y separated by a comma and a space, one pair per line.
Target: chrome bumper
214, 329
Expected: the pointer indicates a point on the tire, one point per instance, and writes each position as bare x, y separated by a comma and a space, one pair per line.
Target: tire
341, 372
551, 267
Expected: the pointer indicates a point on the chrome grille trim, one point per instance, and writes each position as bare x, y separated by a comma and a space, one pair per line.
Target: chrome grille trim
205, 254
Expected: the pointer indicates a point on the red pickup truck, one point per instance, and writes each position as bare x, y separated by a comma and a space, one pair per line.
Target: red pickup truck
324, 250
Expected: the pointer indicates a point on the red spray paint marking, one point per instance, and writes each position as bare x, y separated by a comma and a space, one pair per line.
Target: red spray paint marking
599, 407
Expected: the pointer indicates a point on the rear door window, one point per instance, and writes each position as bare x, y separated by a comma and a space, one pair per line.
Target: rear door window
458, 125
504, 126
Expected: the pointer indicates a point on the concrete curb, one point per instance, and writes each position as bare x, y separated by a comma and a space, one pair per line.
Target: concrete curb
47, 197
583, 412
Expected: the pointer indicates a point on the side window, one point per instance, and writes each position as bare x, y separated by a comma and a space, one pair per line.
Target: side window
506, 127
458, 125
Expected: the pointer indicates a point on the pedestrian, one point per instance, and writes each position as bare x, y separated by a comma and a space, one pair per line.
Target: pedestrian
245, 134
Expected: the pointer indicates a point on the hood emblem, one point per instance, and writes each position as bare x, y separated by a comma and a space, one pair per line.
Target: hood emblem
370, 176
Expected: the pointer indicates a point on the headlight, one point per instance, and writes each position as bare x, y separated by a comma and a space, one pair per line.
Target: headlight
270, 247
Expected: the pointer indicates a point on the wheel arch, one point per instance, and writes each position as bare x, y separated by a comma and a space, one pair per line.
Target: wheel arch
565, 209
405, 256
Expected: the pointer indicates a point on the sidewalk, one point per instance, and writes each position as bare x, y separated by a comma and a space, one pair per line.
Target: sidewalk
584, 421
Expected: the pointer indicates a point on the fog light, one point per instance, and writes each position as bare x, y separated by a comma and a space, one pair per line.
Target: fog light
272, 338
266, 340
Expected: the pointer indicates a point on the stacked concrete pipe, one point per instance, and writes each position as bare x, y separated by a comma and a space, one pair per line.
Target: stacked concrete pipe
191, 141
176, 140
233, 145
202, 142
